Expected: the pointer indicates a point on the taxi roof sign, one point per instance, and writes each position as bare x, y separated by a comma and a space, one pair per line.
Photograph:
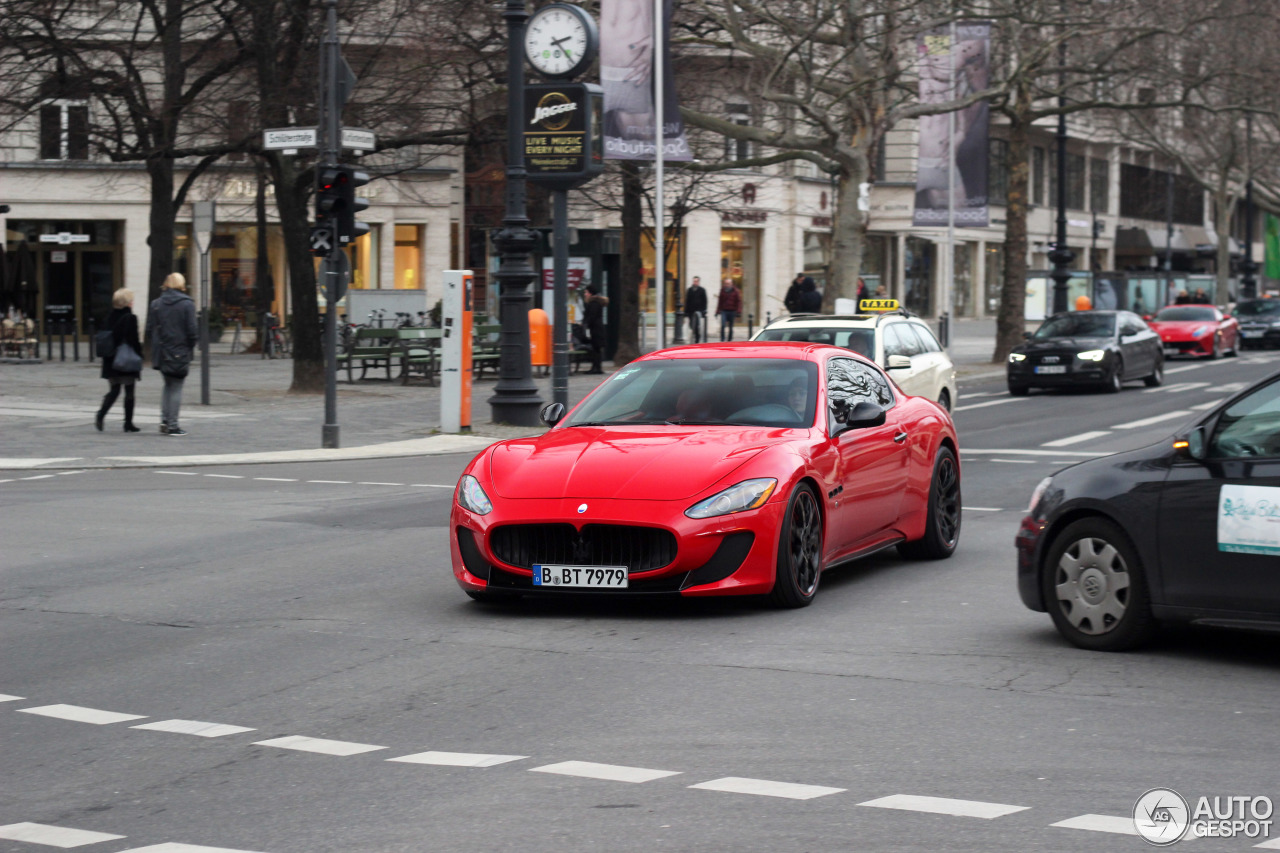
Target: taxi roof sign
870, 305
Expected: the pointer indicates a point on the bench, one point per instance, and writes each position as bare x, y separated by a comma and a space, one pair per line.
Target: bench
486, 348
369, 349
419, 353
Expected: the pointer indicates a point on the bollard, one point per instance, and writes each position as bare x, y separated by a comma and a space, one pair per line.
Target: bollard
62, 340
93, 331
75, 343
768, 317
751, 325
48, 340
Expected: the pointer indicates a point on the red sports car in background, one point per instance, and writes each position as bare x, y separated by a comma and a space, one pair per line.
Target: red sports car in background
1199, 330
721, 469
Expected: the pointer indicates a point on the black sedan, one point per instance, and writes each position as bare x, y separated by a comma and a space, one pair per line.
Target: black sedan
1259, 322
1087, 348
1184, 530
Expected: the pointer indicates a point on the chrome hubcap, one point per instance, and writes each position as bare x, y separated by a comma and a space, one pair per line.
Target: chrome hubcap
1092, 586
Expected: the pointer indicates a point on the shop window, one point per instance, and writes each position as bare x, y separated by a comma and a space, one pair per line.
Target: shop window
64, 130
363, 254
409, 257
1099, 185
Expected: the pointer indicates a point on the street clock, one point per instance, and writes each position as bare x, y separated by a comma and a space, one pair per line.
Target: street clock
561, 41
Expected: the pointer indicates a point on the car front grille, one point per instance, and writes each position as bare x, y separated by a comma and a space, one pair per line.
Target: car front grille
640, 549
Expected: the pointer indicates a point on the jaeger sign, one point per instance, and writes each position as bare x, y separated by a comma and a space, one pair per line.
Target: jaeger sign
562, 142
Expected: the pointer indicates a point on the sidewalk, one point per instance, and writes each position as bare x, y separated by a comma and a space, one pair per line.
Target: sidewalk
47, 409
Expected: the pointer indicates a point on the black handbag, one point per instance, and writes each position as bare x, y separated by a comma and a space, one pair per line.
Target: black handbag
104, 341
126, 360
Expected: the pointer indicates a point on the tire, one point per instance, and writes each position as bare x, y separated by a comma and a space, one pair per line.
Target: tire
1019, 390
1156, 379
1096, 589
485, 597
942, 525
1216, 352
944, 399
1235, 349
1116, 380
799, 551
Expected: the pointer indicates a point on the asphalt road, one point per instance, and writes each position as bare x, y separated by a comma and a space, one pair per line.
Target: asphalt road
915, 706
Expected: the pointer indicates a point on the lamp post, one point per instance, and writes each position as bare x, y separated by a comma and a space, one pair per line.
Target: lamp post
1248, 284
515, 399
1061, 256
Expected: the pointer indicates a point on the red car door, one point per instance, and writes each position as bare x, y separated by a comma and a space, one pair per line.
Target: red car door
873, 461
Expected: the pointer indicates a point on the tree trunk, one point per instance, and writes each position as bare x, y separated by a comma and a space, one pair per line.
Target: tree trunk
848, 236
629, 286
163, 214
1010, 320
291, 202
1223, 206
264, 286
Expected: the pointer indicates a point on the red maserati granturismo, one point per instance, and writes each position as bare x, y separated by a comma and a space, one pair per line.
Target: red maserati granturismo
720, 469
1200, 330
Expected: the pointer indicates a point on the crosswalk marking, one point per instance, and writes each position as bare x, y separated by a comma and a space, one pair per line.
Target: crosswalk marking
944, 805
77, 714
5, 697
1099, 823
1076, 439
766, 788
172, 847
193, 727
1273, 844
1167, 416
457, 759
53, 836
315, 744
608, 772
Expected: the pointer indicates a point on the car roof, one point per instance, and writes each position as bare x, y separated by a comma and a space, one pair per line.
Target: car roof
813, 321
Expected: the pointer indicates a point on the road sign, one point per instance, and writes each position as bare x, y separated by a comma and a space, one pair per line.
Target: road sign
202, 218
358, 140
322, 240
288, 138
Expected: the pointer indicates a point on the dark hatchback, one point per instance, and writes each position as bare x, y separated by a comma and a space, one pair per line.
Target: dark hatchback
1184, 530
1259, 322
1101, 349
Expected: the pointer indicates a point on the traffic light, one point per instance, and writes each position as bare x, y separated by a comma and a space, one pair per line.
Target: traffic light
337, 203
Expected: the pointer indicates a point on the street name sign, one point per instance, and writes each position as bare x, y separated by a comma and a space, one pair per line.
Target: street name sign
289, 138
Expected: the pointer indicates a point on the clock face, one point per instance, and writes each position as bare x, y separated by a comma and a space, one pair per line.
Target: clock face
559, 41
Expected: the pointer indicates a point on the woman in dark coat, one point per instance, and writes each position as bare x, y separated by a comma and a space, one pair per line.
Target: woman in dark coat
124, 330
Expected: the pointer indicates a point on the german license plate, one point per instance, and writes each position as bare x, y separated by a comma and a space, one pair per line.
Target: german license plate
1051, 368
590, 577
1172, 351
1251, 333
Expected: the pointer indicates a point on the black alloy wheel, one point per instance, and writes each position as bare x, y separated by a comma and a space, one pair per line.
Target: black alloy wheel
1095, 588
944, 399
942, 525
1156, 379
799, 551
1217, 348
1116, 380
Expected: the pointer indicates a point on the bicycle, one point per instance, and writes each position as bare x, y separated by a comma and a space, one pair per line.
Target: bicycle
275, 339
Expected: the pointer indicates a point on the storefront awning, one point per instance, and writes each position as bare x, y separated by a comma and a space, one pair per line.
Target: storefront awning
1153, 241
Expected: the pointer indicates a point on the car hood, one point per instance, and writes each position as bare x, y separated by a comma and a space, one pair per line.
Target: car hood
613, 462
1061, 344
1180, 326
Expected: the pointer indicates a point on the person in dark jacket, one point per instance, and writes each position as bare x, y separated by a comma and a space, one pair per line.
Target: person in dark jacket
728, 306
124, 330
810, 296
593, 319
695, 308
792, 300
171, 329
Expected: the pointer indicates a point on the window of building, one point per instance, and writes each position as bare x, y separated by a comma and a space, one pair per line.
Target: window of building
738, 149
1099, 185
239, 122
409, 257
998, 172
64, 130
1037, 175
1075, 180
1144, 194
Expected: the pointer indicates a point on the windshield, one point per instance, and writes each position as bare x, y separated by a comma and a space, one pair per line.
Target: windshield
1183, 313
1259, 308
1077, 326
861, 341
769, 392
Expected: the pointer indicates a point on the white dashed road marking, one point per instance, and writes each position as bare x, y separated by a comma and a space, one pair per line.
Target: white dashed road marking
1076, 439
77, 714
981, 509
1203, 406
172, 847
334, 482
1179, 387
1167, 416
429, 486
277, 479
179, 473
988, 403
1016, 461
765, 788
1273, 844
944, 805
39, 477
1099, 823
5, 697
969, 451
609, 772
227, 476
315, 744
53, 836
458, 759
193, 727
379, 484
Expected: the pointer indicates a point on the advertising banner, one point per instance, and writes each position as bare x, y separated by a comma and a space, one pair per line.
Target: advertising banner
626, 73
949, 72
1272, 255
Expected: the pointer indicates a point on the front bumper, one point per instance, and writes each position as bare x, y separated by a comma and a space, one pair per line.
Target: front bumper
1193, 347
1076, 372
1259, 336
730, 555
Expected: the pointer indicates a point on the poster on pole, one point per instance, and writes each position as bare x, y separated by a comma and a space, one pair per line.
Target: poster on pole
968, 60
626, 73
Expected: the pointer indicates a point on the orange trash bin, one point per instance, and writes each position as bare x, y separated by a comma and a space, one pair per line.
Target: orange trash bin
539, 338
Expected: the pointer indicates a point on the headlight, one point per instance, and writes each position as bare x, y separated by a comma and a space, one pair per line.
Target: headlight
1200, 331
1092, 355
1016, 357
749, 494
472, 497
1041, 487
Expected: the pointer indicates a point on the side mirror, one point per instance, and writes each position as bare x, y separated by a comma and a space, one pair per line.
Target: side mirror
861, 416
1146, 316
899, 362
552, 414
1026, 336
1192, 446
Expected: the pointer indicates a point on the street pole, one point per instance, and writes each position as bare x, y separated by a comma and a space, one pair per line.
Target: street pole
659, 140
1061, 256
203, 214
560, 298
1168, 238
1248, 284
331, 133
949, 262
515, 399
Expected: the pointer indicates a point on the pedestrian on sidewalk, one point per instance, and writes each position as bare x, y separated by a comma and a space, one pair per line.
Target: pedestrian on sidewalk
123, 324
728, 305
695, 308
593, 319
171, 329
